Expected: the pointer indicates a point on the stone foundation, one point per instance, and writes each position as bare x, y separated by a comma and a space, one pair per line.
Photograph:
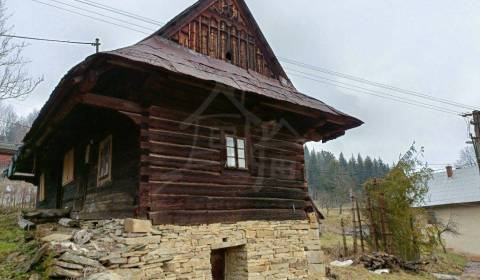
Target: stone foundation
254, 250
251, 250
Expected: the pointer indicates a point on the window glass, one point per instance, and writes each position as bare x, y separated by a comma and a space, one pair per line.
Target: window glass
230, 152
241, 153
231, 162
230, 142
240, 144
236, 154
241, 163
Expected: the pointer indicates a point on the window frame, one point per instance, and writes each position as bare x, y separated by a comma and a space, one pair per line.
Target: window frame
236, 152
68, 161
103, 180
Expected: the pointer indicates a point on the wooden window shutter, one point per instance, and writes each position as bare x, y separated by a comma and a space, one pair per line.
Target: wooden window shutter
104, 171
68, 167
41, 188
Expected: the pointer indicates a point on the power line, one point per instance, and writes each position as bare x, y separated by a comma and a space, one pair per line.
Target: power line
332, 82
121, 12
91, 17
48, 40
373, 91
100, 14
372, 83
378, 94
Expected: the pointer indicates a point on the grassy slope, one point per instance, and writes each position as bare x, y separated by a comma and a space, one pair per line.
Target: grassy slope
331, 243
12, 240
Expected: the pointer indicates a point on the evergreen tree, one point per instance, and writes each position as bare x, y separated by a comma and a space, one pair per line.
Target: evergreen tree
368, 168
343, 162
329, 179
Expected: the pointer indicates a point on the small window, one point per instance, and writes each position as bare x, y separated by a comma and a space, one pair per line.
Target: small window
105, 161
228, 57
236, 152
68, 167
41, 188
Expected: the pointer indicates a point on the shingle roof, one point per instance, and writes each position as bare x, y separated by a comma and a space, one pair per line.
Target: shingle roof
8, 149
160, 52
463, 187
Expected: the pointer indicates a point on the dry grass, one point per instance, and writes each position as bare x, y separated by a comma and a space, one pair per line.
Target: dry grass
358, 272
331, 241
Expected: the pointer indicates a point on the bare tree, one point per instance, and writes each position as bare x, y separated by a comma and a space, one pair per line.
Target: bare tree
467, 157
445, 227
13, 127
14, 79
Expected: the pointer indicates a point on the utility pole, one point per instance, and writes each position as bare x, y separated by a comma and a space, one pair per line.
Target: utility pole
97, 45
476, 138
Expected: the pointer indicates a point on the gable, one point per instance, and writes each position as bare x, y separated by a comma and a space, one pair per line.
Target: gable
225, 30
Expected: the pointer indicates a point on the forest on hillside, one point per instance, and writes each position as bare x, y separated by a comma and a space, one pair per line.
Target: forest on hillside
330, 179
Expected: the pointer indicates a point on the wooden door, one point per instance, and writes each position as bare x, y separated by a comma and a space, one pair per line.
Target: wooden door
217, 260
82, 184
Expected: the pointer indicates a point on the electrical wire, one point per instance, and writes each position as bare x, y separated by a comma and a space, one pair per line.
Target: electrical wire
90, 17
100, 14
373, 91
316, 78
397, 99
372, 83
121, 12
47, 40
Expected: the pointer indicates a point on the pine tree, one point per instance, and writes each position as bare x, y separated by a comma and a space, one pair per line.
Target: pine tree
343, 162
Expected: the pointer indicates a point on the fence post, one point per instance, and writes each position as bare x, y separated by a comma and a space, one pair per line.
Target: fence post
373, 227
345, 250
354, 224
359, 218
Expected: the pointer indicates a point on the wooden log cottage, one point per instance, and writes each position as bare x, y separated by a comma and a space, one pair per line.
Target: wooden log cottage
198, 123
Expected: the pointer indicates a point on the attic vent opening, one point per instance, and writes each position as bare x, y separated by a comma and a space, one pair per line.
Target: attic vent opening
228, 56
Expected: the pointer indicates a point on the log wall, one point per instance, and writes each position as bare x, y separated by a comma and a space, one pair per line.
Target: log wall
84, 196
184, 174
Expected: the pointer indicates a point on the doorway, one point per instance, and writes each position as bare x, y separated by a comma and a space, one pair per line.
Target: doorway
217, 259
229, 263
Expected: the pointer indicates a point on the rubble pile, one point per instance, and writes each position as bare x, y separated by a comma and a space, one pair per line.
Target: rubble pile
103, 247
379, 260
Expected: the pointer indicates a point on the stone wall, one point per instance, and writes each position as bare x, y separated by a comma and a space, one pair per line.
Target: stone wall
253, 250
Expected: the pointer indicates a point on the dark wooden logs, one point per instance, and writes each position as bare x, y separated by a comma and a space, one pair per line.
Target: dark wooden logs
188, 217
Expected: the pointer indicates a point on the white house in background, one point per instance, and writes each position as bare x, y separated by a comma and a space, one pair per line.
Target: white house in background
455, 194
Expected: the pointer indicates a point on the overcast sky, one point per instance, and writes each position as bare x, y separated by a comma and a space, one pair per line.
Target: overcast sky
430, 46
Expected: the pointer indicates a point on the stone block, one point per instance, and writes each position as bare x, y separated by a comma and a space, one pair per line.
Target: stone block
316, 271
137, 226
265, 233
72, 258
229, 244
315, 257
57, 237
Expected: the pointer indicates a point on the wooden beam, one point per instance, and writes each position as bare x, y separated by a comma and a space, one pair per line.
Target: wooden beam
192, 217
289, 108
111, 103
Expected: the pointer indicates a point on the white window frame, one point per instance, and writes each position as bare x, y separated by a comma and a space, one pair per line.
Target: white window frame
235, 154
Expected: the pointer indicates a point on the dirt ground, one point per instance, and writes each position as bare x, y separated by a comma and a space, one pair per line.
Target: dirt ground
450, 263
472, 271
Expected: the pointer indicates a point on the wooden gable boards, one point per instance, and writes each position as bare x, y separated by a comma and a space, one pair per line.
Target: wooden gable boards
225, 30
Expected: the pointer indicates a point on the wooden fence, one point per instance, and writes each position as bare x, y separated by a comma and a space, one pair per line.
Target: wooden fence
17, 195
